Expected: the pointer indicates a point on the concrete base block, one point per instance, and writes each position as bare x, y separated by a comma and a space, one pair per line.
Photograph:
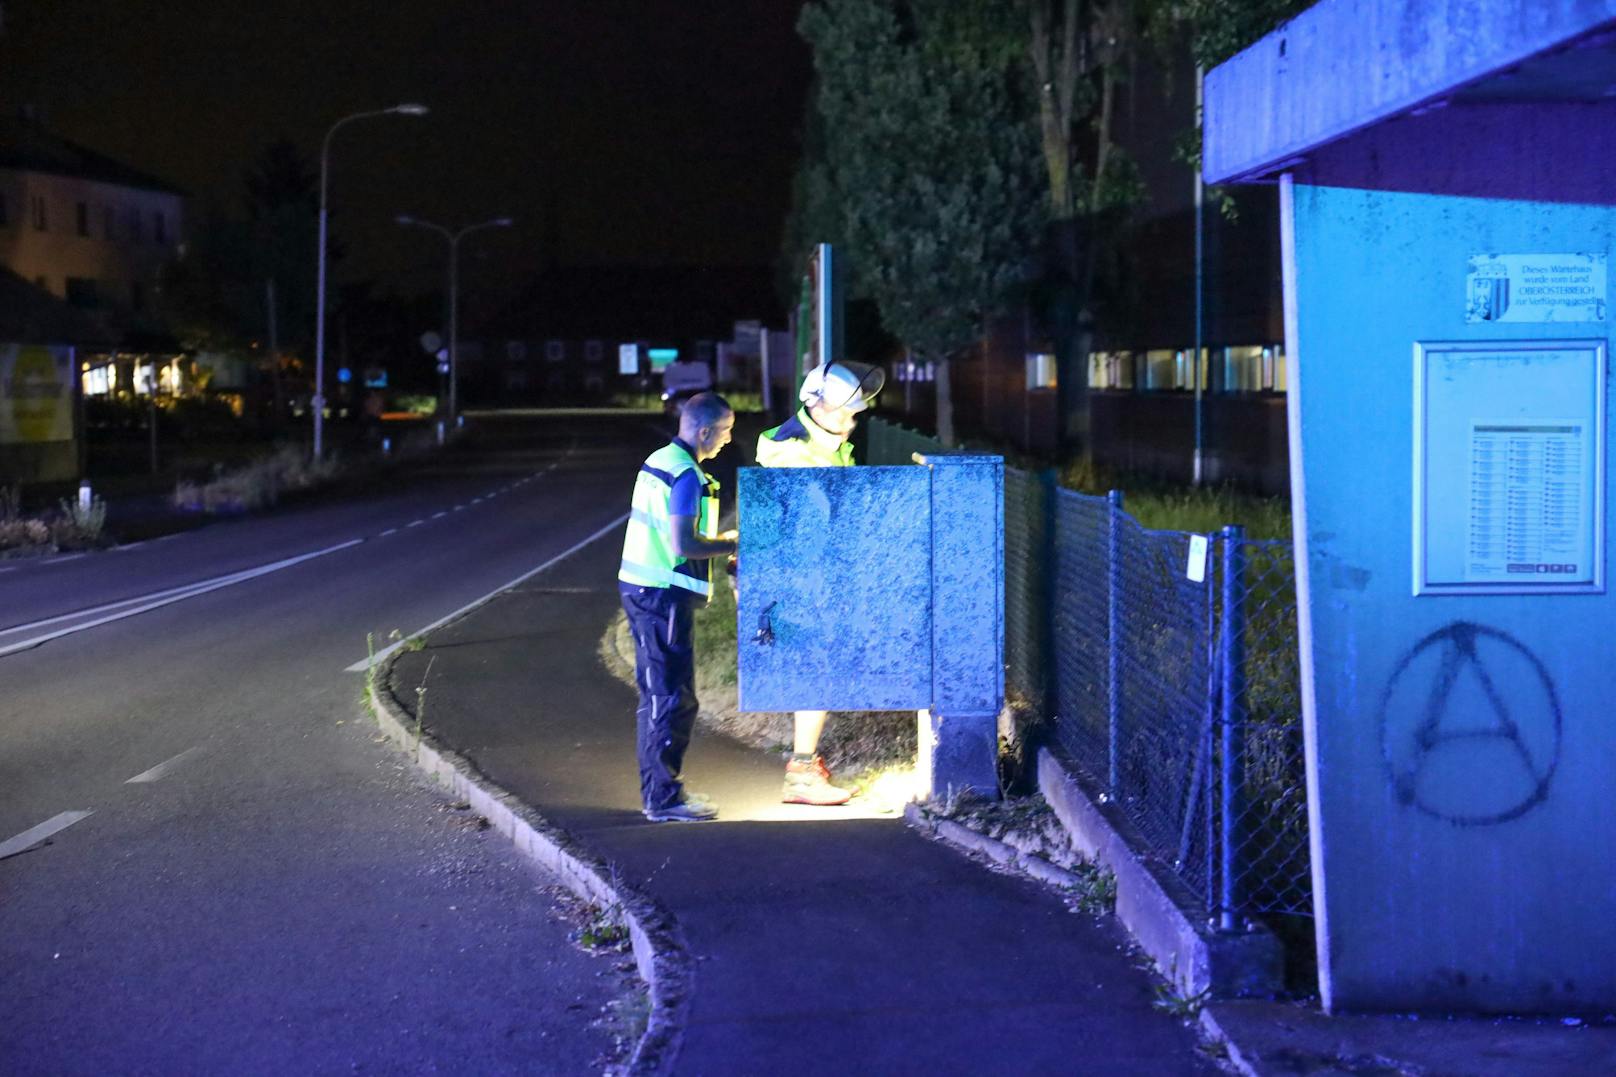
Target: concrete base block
959, 752
1155, 907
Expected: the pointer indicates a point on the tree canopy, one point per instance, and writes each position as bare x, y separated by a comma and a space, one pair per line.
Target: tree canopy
930, 160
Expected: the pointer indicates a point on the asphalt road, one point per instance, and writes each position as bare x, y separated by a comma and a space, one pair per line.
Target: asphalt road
208, 863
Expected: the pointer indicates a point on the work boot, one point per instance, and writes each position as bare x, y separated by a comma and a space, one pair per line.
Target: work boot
808, 782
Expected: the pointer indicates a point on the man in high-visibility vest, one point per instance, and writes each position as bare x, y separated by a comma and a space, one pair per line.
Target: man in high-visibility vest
832, 396
665, 575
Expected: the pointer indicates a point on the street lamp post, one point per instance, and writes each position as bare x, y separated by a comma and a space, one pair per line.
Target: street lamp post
454, 239
319, 295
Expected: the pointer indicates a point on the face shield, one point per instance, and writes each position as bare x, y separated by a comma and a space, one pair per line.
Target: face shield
843, 385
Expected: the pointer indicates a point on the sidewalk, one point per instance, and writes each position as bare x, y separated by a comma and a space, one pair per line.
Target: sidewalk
826, 938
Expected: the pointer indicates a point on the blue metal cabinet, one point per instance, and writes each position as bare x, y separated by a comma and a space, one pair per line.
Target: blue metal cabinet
878, 588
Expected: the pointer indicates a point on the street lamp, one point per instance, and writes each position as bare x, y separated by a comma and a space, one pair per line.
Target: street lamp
454, 288
319, 295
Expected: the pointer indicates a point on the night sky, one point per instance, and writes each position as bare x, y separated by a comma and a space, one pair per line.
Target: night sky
644, 132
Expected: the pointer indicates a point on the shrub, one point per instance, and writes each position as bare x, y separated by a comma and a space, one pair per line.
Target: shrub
258, 484
79, 526
18, 534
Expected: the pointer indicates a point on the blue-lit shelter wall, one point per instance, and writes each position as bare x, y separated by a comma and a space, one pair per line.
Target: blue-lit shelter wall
1462, 747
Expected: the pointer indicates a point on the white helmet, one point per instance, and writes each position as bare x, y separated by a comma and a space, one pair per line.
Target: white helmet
842, 384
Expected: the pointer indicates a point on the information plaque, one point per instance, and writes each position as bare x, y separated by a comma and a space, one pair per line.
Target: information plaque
1509, 467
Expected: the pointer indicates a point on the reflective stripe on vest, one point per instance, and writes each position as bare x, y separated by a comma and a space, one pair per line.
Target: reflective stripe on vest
648, 557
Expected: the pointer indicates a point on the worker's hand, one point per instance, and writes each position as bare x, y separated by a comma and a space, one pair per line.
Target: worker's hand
731, 535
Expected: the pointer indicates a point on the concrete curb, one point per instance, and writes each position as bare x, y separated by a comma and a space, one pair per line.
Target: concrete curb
1214, 1031
659, 951
992, 848
1155, 907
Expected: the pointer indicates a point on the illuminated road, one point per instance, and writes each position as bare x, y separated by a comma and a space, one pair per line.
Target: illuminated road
207, 864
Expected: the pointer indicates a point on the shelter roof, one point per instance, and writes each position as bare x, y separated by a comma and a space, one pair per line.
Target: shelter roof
1343, 66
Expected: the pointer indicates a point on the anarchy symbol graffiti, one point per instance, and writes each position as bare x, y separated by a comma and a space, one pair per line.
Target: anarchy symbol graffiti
1470, 726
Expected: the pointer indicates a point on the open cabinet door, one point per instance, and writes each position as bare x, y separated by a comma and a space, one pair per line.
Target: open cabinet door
835, 588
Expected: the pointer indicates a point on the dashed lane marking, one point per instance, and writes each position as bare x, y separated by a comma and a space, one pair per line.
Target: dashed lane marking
389, 531
153, 601
162, 769
34, 835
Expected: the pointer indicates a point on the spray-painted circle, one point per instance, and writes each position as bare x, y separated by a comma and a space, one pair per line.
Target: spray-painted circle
1470, 726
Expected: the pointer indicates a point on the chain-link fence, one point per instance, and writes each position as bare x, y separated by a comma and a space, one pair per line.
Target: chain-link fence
1166, 666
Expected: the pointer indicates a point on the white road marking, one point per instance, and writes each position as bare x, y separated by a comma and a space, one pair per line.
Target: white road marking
9, 568
458, 508
165, 538
439, 515
157, 600
156, 773
365, 663
415, 523
130, 545
62, 560
389, 531
93, 610
478, 500
34, 835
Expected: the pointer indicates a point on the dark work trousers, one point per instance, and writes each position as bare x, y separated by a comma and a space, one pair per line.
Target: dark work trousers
663, 623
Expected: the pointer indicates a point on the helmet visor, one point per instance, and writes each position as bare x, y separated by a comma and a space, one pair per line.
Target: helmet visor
851, 385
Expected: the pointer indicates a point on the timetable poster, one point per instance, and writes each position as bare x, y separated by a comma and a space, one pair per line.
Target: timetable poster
1509, 467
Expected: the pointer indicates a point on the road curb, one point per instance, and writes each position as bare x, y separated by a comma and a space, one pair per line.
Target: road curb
659, 951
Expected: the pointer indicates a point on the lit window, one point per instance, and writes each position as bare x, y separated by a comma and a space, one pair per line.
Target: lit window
1253, 369
1161, 369
1040, 370
97, 381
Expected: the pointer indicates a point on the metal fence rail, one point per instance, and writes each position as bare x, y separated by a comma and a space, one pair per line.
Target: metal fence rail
1178, 696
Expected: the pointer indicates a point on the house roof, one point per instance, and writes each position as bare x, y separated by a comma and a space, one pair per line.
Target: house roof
27, 146
1346, 65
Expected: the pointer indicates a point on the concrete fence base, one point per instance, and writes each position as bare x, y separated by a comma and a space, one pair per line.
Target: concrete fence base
1157, 909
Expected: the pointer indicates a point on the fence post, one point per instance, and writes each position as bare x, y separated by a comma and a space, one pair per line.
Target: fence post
1049, 641
1232, 661
1113, 638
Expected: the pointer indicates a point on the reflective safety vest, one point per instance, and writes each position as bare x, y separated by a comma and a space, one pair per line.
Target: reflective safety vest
648, 557
801, 442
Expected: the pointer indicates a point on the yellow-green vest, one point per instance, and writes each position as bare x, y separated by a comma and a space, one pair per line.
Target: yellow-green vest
801, 442
648, 557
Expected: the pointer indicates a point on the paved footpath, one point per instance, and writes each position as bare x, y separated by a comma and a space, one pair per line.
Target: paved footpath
820, 938
828, 938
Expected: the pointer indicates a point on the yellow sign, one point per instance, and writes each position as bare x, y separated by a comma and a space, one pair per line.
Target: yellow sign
36, 393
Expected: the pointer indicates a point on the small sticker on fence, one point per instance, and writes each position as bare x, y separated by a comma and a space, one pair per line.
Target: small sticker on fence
1196, 570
